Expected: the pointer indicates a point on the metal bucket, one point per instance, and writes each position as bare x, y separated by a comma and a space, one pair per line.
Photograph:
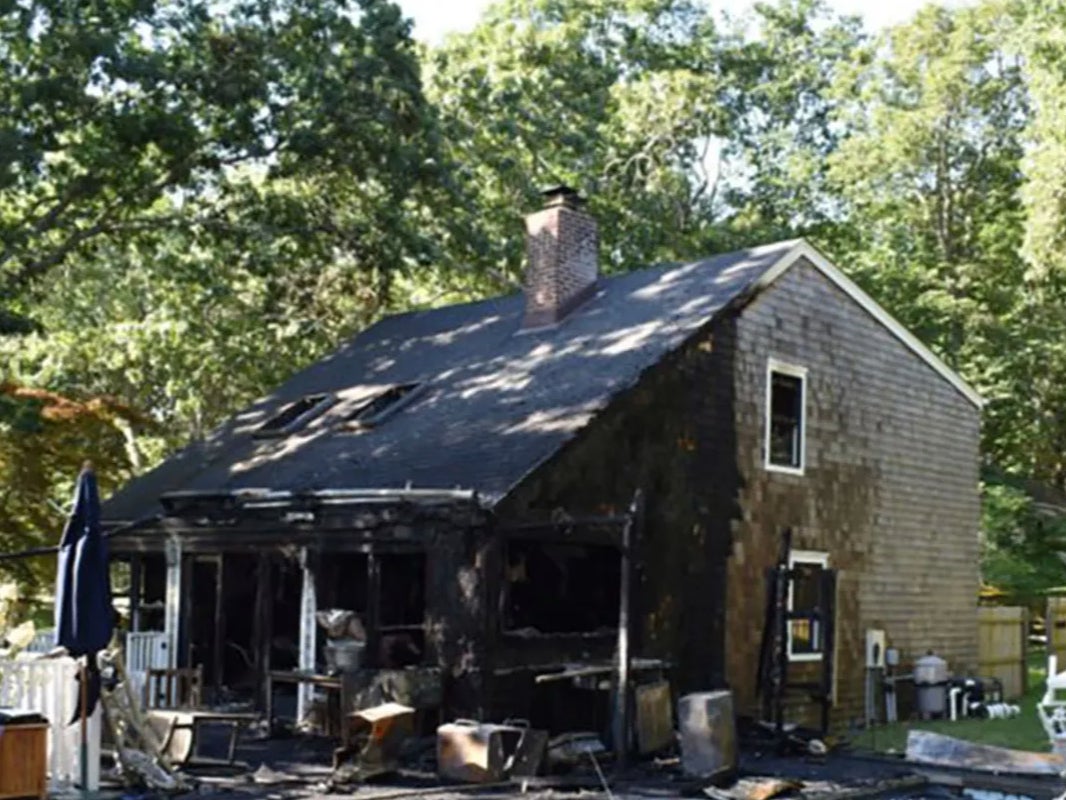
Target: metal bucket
344, 655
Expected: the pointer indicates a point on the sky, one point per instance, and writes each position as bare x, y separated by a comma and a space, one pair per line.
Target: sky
435, 18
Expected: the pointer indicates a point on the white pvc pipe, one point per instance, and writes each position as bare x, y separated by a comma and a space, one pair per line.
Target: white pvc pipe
953, 698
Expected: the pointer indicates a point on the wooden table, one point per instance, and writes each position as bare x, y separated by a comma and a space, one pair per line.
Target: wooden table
329, 682
179, 730
24, 760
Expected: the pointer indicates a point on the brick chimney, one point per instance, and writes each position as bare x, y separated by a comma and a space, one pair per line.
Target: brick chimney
562, 245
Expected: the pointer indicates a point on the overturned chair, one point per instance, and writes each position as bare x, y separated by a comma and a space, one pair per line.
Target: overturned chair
173, 700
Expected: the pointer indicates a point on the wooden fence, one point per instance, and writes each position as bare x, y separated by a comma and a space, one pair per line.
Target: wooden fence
1002, 634
1055, 627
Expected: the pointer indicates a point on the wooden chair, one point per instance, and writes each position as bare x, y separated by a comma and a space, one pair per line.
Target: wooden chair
174, 688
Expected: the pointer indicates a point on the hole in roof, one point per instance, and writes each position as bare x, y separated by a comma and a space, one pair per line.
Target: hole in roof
295, 415
376, 409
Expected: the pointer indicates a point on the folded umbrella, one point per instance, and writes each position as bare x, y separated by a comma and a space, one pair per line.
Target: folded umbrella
84, 617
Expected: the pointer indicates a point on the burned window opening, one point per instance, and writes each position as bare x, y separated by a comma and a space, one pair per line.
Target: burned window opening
295, 415
147, 592
382, 406
561, 587
341, 582
785, 418
402, 610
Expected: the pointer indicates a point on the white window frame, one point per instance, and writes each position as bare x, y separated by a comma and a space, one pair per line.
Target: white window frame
804, 557
783, 368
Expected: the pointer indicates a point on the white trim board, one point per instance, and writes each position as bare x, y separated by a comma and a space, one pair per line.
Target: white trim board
805, 250
784, 368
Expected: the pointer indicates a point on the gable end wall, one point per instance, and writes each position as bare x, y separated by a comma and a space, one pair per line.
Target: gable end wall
890, 489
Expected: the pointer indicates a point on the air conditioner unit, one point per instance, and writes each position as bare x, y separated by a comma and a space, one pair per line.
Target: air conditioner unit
875, 649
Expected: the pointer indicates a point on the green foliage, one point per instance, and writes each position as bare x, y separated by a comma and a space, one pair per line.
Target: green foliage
1023, 546
44, 440
194, 202
780, 68
295, 120
615, 97
197, 199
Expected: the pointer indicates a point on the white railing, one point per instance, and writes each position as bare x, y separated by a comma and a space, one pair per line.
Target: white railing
43, 641
145, 650
49, 687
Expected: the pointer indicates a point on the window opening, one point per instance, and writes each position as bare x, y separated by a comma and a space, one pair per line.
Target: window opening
295, 415
341, 582
148, 593
381, 406
786, 395
806, 627
561, 588
402, 596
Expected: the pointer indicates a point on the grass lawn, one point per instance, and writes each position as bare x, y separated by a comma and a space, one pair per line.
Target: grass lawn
1023, 732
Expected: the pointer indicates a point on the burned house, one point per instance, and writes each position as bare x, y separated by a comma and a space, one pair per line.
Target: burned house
462, 477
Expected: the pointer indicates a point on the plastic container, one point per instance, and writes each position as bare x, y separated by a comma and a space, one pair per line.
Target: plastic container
931, 685
708, 734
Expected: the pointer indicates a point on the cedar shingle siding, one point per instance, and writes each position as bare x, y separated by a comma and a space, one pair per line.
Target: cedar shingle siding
890, 489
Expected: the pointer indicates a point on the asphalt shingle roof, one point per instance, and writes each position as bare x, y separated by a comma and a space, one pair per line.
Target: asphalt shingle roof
497, 400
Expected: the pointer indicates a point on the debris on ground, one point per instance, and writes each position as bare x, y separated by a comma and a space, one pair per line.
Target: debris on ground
138, 768
570, 749
265, 776
480, 752
926, 747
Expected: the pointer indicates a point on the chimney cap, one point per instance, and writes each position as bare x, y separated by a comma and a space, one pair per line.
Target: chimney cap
562, 195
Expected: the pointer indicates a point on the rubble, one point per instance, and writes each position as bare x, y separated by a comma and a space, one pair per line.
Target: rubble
479, 752
925, 747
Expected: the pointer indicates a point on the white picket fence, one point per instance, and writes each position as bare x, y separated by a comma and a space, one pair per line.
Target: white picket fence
48, 686
145, 650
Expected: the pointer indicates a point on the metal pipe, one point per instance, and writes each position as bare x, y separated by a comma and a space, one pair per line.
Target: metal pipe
32, 552
620, 733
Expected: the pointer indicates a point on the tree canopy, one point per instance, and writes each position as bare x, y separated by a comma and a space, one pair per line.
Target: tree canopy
197, 199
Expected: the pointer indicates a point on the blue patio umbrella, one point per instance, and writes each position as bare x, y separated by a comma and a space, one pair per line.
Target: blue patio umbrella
84, 616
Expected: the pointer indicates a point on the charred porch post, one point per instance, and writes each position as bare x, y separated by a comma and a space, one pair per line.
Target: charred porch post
620, 732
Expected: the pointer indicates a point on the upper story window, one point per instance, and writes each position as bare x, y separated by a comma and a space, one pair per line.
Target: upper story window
786, 417
295, 415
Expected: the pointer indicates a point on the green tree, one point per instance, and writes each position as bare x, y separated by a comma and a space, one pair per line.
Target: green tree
1042, 44
1023, 545
779, 66
44, 439
194, 202
125, 117
927, 181
614, 97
